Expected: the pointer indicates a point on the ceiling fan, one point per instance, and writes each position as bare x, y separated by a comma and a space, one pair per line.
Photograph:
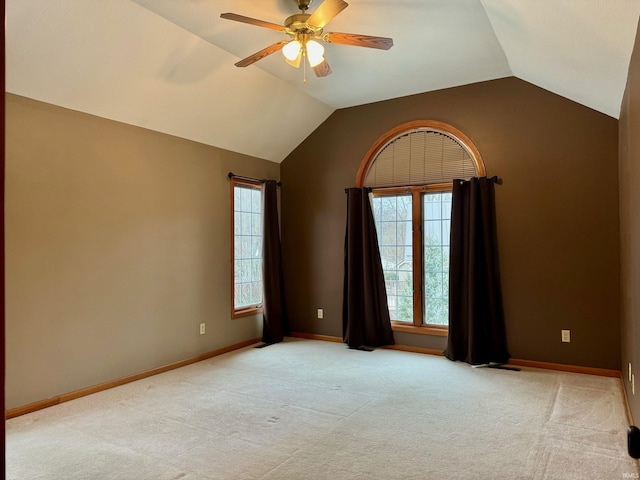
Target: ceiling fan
304, 30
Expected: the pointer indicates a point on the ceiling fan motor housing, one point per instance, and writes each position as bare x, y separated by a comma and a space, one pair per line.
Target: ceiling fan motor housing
298, 22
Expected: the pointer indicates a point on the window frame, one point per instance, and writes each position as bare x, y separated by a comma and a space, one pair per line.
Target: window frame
416, 202
417, 217
249, 309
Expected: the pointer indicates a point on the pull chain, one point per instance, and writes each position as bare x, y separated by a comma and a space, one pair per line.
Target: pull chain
304, 69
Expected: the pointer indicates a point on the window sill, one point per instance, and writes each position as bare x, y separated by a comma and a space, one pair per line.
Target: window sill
423, 330
245, 312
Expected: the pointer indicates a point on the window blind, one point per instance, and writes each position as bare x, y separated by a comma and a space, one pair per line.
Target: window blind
420, 157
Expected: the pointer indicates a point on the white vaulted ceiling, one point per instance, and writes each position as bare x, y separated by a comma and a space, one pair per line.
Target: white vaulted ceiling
168, 65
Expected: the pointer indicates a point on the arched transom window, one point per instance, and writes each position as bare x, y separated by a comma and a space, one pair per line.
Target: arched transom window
410, 170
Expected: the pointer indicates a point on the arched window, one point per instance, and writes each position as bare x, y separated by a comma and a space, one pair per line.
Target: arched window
410, 170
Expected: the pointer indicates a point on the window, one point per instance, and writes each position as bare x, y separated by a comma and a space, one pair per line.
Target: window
436, 230
413, 234
393, 216
246, 265
410, 171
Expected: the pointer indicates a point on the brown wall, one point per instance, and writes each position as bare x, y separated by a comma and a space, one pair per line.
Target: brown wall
117, 248
630, 226
557, 213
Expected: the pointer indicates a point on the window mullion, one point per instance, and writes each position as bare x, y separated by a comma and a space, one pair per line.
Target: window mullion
417, 257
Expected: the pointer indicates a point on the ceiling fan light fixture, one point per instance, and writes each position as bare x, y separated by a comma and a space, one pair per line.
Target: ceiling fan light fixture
315, 53
303, 29
291, 50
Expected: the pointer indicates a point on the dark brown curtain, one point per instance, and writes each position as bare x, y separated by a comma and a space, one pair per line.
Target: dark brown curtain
476, 318
365, 313
275, 325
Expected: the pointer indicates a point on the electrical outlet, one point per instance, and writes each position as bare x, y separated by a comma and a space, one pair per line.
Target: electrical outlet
566, 336
629, 371
320, 313
202, 328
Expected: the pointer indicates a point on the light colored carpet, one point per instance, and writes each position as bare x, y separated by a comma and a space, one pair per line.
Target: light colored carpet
306, 409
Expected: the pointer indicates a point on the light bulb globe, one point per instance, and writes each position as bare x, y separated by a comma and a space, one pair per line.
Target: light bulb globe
315, 53
291, 50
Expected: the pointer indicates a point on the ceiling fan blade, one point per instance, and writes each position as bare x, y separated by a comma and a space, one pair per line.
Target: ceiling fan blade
261, 54
252, 21
323, 69
326, 11
383, 43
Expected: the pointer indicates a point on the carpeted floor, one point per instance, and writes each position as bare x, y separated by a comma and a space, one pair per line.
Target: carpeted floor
305, 410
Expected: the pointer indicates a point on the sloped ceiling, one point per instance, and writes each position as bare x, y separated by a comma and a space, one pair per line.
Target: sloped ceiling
167, 65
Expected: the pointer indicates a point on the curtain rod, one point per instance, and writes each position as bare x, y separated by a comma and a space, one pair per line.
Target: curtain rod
231, 175
494, 179
368, 189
